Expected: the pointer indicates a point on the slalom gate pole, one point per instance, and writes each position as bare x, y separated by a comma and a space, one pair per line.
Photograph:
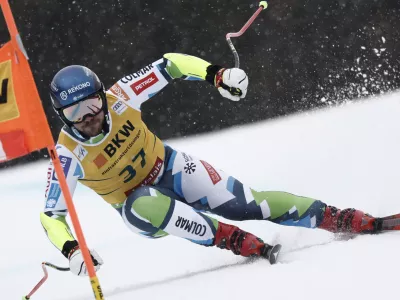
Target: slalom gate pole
75, 222
49, 143
262, 5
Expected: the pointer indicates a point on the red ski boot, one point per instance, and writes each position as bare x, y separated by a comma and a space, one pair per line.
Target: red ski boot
244, 243
348, 220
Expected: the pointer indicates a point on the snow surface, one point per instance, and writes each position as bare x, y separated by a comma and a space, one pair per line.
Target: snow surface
346, 156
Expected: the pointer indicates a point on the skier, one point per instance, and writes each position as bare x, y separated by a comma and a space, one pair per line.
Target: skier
156, 189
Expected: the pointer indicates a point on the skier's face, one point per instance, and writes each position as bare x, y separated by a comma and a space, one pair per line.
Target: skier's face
91, 125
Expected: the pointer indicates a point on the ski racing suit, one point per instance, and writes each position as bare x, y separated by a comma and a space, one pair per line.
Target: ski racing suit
156, 189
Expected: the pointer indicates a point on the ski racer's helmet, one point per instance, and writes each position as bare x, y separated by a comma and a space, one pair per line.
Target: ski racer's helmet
76, 92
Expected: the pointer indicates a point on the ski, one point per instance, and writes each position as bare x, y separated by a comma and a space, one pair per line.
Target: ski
274, 253
388, 223
271, 253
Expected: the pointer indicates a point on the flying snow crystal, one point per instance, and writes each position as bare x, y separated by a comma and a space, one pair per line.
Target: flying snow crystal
323, 99
362, 47
383, 40
358, 60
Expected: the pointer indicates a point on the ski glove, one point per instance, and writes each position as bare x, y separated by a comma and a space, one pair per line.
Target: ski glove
231, 83
77, 265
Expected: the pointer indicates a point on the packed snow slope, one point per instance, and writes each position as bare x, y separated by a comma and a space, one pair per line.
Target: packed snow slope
347, 156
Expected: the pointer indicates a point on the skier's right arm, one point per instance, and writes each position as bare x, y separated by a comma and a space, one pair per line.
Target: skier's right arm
55, 210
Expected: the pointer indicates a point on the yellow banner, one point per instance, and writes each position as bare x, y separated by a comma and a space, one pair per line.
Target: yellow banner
8, 105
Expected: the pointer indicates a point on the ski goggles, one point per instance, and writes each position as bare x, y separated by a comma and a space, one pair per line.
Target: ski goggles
88, 107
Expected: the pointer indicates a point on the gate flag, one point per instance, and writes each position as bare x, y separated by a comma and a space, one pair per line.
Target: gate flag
23, 124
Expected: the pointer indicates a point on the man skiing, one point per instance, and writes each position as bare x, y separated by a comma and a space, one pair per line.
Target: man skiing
159, 190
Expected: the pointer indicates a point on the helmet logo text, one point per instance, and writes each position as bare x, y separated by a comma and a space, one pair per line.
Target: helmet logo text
64, 94
78, 87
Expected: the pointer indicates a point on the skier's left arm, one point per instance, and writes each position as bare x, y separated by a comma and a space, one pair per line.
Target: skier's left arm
140, 86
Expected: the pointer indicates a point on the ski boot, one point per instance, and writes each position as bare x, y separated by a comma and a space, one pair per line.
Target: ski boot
244, 243
349, 220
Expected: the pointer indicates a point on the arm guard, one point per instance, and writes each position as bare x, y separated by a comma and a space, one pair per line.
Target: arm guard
190, 67
57, 229
55, 209
140, 86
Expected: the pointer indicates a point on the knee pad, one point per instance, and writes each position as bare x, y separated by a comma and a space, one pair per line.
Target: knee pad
148, 205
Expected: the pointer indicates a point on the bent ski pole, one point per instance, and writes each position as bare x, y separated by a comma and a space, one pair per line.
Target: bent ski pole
263, 5
39, 284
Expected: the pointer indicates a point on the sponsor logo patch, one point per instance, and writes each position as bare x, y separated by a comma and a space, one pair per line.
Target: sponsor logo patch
49, 172
143, 84
215, 177
66, 164
122, 154
100, 160
137, 75
51, 203
186, 157
54, 192
119, 139
64, 95
191, 226
119, 92
119, 107
190, 168
54, 195
78, 97
80, 152
78, 87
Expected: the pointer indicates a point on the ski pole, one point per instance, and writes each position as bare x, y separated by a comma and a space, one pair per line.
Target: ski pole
39, 284
262, 5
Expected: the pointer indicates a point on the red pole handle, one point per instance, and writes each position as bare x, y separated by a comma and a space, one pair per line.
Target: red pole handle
263, 5
37, 286
245, 26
